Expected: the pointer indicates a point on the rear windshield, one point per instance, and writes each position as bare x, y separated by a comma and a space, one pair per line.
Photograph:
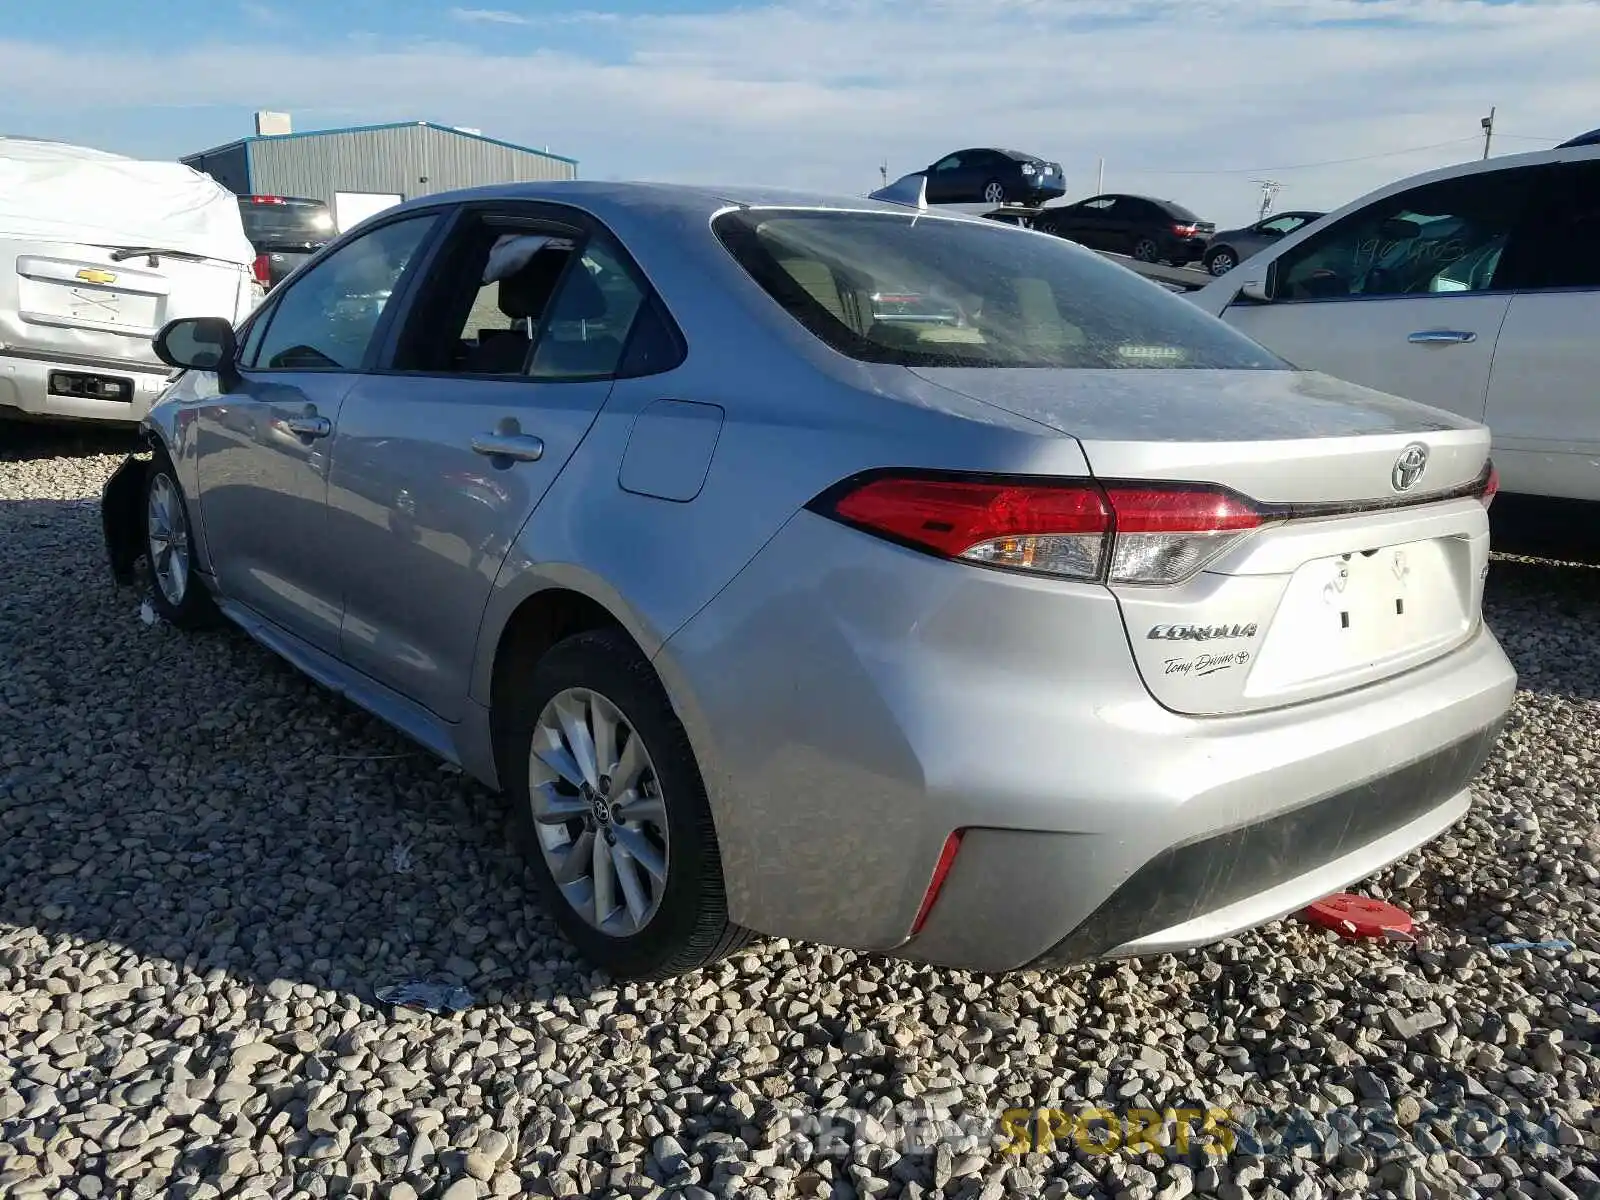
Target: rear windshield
928, 291
288, 223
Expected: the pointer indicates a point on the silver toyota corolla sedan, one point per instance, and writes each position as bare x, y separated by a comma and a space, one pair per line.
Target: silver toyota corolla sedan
1066, 623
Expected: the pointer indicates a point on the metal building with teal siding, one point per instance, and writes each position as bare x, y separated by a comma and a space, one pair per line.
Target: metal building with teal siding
359, 169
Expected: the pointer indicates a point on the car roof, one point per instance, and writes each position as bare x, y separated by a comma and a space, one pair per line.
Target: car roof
601, 198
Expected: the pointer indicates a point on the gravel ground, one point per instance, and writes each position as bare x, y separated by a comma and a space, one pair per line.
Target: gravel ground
208, 867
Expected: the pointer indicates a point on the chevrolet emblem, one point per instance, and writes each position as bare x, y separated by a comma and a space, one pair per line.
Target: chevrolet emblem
94, 275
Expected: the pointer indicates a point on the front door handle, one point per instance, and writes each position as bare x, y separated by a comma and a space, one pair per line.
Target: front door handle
309, 426
1442, 337
518, 447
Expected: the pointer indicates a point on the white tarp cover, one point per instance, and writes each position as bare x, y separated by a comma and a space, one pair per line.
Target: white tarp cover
52, 191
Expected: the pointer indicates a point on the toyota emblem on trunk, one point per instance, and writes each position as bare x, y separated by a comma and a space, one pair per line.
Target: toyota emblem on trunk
1408, 468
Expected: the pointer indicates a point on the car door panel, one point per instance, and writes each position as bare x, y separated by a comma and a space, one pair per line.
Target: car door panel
1369, 341
264, 488
1407, 294
264, 444
445, 454
1542, 398
421, 519
1543, 403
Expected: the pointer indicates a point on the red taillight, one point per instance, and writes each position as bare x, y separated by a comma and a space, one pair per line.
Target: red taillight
260, 270
1491, 487
1079, 529
947, 859
268, 200
1186, 230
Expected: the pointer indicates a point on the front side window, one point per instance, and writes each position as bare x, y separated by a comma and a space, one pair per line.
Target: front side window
326, 317
932, 291
518, 300
1441, 237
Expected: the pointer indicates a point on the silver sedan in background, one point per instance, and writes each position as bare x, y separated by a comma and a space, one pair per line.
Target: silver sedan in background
1072, 624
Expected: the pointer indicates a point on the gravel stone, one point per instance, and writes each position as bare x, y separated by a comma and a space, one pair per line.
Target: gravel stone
203, 889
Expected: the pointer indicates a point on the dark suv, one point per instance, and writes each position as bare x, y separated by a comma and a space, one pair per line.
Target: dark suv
1139, 226
285, 231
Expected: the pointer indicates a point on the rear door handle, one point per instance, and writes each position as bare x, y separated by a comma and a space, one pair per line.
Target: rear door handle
308, 427
519, 447
1442, 337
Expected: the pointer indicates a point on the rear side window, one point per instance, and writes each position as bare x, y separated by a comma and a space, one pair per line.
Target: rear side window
1564, 246
919, 290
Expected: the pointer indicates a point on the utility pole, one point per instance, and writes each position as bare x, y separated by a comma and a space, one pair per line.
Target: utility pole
883, 169
1269, 192
1488, 130
1100, 178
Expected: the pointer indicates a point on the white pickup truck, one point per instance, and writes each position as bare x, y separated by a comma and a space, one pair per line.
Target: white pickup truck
97, 253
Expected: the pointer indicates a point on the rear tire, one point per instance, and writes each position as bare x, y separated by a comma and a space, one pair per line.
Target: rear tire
624, 854
177, 593
1146, 250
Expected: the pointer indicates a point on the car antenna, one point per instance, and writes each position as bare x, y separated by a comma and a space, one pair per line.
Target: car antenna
909, 190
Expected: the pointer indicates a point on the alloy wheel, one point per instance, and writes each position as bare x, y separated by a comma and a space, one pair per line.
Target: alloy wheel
167, 537
1145, 250
1221, 263
995, 193
598, 811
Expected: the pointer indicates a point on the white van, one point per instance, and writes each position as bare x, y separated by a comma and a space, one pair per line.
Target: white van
97, 253
1473, 288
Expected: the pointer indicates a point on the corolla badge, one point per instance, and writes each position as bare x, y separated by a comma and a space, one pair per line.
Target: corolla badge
1200, 633
1408, 468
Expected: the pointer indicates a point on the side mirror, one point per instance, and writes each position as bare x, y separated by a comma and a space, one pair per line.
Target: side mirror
1398, 229
198, 344
1262, 288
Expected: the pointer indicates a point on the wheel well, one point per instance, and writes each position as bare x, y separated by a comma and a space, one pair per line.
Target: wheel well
539, 622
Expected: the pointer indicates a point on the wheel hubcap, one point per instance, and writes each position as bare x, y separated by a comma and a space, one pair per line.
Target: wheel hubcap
168, 537
1222, 264
994, 193
1145, 251
598, 811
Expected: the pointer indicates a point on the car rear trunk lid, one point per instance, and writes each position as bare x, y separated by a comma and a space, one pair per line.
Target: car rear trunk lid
81, 299
1348, 578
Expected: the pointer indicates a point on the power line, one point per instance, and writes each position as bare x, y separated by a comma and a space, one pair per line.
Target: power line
1332, 162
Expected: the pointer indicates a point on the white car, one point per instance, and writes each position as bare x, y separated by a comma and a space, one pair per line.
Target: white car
1473, 288
97, 253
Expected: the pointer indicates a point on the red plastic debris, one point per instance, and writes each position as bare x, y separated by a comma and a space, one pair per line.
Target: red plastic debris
1352, 916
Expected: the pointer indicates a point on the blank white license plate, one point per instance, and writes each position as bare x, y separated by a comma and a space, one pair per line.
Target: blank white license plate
103, 306
1363, 610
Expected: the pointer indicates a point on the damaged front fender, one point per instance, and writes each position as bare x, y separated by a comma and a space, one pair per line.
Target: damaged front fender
121, 517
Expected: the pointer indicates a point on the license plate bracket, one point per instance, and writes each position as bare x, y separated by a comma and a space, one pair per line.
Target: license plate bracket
86, 385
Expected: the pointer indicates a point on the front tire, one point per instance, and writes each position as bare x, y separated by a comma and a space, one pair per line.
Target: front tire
611, 812
177, 594
994, 192
1220, 261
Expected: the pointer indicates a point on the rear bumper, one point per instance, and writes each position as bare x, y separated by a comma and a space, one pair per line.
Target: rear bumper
25, 387
1186, 250
1216, 886
850, 714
